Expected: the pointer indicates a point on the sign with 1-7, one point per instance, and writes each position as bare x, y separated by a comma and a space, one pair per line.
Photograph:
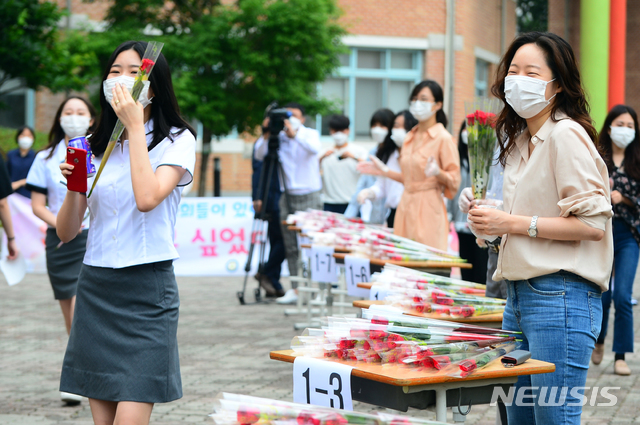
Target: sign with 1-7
323, 265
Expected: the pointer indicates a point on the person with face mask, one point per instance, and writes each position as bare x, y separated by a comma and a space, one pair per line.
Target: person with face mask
123, 349
301, 182
430, 168
556, 252
620, 148
19, 160
386, 188
338, 166
374, 212
74, 117
469, 249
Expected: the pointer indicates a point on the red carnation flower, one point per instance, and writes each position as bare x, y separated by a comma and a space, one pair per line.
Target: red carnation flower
147, 64
470, 119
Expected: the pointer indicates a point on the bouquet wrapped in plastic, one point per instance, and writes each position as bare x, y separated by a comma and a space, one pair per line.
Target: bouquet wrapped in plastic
390, 338
234, 409
331, 229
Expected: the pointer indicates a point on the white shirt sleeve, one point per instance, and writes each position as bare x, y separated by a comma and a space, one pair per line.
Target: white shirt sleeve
309, 139
181, 153
37, 177
379, 188
261, 148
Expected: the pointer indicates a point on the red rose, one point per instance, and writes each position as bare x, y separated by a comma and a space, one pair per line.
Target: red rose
481, 116
470, 119
146, 64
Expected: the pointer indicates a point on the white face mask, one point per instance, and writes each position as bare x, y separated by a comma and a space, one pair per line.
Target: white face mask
398, 135
622, 136
465, 137
126, 81
526, 95
340, 138
75, 125
295, 123
378, 134
421, 110
25, 142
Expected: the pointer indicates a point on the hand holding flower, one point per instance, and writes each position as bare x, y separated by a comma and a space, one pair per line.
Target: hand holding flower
129, 111
489, 221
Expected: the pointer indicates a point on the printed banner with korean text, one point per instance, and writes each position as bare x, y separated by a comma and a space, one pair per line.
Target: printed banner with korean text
213, 236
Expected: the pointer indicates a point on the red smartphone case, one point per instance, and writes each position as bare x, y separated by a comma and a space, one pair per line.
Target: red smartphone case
77, 181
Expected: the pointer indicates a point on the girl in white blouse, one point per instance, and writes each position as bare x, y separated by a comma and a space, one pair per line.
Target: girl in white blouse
122, 352
74, 117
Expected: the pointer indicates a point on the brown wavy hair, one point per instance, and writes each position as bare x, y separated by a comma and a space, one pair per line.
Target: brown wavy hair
572, 100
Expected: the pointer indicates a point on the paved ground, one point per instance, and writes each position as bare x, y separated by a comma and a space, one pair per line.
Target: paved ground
223, 347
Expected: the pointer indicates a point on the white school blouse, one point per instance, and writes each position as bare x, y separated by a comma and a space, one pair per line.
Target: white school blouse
45, 177
121, 235
387, 188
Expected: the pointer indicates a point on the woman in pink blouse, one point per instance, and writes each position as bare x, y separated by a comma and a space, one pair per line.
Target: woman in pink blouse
556, 251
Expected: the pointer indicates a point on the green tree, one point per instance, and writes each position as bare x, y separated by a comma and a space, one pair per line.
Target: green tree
230, 61
532, 15
33, 50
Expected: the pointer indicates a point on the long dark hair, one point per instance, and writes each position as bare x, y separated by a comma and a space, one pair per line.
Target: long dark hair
631, 153
164, 108
385, 118
564, 68
438, 96
56, 134
463, 148
409, 120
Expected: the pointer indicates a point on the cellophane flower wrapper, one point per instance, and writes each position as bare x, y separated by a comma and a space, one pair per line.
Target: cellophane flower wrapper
481, 117
149, 59
234, 409
466, 367
362, 340
331, 229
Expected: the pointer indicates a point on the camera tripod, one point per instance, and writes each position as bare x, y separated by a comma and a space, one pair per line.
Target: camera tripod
270, 165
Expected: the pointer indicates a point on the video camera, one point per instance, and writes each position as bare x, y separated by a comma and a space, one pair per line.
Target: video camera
276, 117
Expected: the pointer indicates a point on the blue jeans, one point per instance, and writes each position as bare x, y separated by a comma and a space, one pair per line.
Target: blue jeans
559, 316
625, 254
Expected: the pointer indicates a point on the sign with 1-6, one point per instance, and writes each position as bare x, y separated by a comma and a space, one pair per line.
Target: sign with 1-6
322, 383
356, 271
323, 265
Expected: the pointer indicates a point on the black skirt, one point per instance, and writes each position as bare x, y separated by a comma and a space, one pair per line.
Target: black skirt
123, 343
64, 262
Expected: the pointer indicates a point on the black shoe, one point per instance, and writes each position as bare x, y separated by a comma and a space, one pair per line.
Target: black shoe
265, 283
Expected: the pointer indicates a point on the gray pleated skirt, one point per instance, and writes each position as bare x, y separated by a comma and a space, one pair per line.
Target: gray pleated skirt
123, 344
64, 262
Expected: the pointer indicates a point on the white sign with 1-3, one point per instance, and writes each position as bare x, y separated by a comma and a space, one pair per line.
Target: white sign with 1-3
378, 293
356, 270
322, 383
323, 265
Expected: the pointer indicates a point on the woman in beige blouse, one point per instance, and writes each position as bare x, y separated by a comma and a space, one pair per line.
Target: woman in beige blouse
556, 251
430, 167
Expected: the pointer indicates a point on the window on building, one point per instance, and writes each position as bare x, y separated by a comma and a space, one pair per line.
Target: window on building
367, 80
482, 78
13, 109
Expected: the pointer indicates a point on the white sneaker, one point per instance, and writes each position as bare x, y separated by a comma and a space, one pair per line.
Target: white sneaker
289, 297
70, 399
